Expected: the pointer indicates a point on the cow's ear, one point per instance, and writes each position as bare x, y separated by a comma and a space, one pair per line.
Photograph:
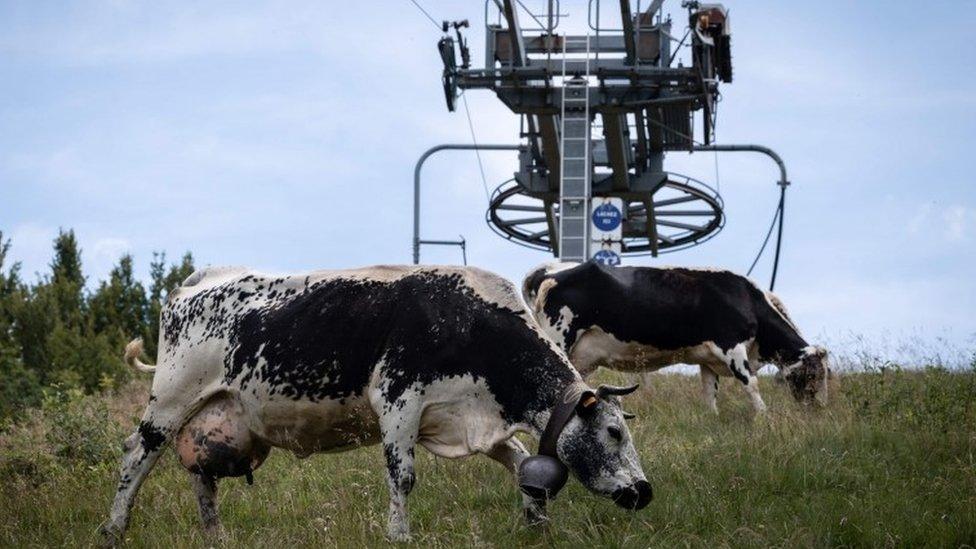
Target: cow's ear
587, 404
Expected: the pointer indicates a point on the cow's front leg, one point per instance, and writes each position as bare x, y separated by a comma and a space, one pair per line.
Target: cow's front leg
738, 362
709, 384
510, 454
399, 439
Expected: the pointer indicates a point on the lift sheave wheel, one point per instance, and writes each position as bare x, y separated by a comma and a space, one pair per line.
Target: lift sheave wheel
684, 212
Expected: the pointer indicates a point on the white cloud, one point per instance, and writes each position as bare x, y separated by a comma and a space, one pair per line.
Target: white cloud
917, 222
957, 219
954, 221
110, 248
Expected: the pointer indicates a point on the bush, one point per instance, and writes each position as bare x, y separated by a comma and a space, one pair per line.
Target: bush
19, 388
69, 429
80, 427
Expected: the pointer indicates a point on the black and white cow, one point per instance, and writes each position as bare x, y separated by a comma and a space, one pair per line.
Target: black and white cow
328, 361
646, 318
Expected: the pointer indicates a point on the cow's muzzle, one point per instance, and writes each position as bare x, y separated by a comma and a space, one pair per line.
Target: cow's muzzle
634, 497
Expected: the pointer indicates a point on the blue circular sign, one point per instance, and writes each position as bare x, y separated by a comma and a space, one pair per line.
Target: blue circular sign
606, 217
607, 257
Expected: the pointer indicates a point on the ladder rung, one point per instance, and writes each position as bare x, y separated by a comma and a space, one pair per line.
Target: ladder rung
575, 128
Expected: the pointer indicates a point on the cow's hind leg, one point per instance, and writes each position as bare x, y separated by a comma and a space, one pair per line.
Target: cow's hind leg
709, 384
160, 422
737, 361
399, 425
510, 453
205, 489
142, 449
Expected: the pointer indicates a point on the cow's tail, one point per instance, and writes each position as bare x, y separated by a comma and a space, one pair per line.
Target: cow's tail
531, 283
132, 352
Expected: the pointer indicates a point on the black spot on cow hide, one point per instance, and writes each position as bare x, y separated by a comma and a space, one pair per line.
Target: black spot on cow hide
152, 437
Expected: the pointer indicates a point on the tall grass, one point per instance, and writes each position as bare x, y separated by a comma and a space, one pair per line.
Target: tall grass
889, 463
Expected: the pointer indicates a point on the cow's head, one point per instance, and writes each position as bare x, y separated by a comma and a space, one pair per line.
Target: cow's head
596, 446
807, 378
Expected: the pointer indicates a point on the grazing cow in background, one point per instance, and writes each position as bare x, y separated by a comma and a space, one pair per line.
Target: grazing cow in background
646, 318
448, 358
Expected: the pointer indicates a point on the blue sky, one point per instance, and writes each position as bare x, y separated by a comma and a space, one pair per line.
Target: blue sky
283, 136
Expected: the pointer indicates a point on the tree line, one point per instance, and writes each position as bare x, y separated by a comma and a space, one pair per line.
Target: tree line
56, 331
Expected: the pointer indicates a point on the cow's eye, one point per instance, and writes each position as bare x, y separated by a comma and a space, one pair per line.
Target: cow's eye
615, 433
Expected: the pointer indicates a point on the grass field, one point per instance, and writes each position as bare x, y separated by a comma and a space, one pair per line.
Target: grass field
891, 462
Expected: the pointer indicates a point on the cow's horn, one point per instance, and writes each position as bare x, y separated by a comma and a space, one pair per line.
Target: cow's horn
606, 390
628, 415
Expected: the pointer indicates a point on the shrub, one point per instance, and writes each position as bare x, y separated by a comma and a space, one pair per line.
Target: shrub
80, 427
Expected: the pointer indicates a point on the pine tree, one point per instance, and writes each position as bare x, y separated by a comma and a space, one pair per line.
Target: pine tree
67, 280
56, 332
178, 273
18, 386
157, 289
120, 304
51, 322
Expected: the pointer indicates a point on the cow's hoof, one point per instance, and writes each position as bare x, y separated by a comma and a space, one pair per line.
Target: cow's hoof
214, 532
111, 535
398, 533
535, 517
399, 537
763, 422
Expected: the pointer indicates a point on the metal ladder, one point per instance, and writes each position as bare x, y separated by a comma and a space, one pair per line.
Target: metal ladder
574, 183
